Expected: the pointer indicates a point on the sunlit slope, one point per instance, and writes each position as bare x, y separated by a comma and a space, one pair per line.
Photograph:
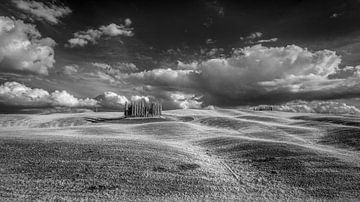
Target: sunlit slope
187, 154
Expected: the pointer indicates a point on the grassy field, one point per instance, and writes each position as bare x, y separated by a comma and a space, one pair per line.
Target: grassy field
222, 154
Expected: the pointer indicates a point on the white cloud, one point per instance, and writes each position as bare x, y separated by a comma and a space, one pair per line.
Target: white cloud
328, 107
48, 11
125, 67
23, 49
103, 76
138, 97
101, 65
116, 30
254, 73
128, 22
164, 77
252, 36
77, 42
70, 69
210, 41
267, 40
14, 93
113, 73
335, 15
186, 101
251, 75
83, 38
111, 100
187, 66
259, 69
63, 98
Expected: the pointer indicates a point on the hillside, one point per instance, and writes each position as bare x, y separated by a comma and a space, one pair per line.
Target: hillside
217, 154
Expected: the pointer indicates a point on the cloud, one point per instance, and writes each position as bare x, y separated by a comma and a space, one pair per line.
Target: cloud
111, 100
335, 15
115, 101
210, 41
70, 69
160, 77
252, 36
267, 40
23, 49
187, 66
63, 98
113, 73
138, 97
48, 12
102, 76
186, 101
83, 38
258, 71
255, 75
128, 22
126, 67
328, 107
116, 30
16, 94
101, 65
77, 41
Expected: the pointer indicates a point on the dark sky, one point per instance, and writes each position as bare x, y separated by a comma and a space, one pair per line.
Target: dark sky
255, 51
186, 25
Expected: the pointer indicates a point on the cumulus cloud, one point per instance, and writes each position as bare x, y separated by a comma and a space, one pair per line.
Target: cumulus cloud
328, 107
116, 101
160, 77
83, 38
17, 94
40, 10
186, 101
256, 74
111, 100
23, 49
115, 30
63, 98
257, 71
187, 66
139, 97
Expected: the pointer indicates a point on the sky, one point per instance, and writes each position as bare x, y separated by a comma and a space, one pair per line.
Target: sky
186, 54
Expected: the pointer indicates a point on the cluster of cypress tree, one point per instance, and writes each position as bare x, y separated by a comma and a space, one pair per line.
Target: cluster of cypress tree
142, 109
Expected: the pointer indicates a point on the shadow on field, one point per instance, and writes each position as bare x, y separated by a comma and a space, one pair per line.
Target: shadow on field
259, 118
344, 134
346, 121
318, 175
344, 137
124, 120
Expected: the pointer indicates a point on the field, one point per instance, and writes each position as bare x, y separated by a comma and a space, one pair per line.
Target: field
221, 154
